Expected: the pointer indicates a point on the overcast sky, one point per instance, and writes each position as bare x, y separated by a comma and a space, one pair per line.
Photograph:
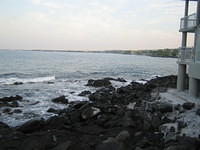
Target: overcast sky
90, 24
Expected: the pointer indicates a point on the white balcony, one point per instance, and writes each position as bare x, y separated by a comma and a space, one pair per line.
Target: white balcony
188, 23
186, 55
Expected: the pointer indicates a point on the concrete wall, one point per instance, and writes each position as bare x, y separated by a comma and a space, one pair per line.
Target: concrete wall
194, 70
197, 45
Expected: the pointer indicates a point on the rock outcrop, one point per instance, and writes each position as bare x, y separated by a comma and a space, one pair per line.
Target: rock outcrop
127, 118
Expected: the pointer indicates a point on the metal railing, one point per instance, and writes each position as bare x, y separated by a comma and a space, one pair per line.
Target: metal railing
186, 54
188, 22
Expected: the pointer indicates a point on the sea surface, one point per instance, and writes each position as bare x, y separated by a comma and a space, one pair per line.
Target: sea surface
46, 75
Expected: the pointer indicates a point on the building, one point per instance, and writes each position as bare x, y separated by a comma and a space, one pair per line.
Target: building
189, 57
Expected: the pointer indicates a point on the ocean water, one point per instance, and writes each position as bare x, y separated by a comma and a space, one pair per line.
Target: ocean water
46, 75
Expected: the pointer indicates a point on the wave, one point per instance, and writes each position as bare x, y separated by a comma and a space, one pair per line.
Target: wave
12, 74
26, 80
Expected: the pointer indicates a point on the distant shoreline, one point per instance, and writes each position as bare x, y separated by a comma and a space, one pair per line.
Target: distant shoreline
164, 53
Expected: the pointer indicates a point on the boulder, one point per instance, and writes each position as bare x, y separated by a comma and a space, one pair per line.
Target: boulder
7, 110
63, 146
17, 111
18, 83
123, 136
3, 125
11, 98
113, 79
117, 143
198, 112
99, 83
52, 110
31, 126
77, 104
188, 105
162, 107
11, 101
167, 82
61, 100
102, 96
84, 93
90, 112
110, 144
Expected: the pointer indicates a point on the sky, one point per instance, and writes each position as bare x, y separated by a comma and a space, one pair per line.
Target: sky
91, 24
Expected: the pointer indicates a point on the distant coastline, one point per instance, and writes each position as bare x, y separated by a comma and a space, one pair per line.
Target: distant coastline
168, 53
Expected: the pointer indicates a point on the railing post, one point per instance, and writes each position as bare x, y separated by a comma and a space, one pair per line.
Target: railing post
186, 13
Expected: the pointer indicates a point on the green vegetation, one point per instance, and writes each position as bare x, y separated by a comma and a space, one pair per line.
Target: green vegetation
158, 53
154, 53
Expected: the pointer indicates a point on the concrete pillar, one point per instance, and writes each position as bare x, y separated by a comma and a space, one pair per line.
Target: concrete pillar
182, 67
193, 87
198, 12
184, 34
186, 7
181, 80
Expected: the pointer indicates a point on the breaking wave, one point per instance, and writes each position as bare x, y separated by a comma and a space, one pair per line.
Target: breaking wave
13, 80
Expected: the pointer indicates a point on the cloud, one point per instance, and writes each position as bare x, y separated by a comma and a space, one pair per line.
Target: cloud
36, 1
99, 24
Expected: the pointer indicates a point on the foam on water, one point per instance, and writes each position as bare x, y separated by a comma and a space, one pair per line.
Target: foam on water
26, 80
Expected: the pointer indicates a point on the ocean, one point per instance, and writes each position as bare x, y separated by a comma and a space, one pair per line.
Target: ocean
47, 75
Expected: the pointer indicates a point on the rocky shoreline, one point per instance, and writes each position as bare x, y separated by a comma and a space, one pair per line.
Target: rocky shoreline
126, 118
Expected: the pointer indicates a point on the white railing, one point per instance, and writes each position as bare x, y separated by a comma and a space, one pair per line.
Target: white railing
186, 54
188, 22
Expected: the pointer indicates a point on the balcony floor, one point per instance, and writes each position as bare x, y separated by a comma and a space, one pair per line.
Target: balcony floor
191, 30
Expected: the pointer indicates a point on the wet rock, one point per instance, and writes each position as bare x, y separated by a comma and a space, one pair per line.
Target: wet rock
10, 101
131, 106
77, 104
198, 112
127, 120
50, 82
179, 108
110, 144
14, 104
118, 79
63, 146
171, 148
31, 126
121, 80
169, 131
17, 111
104, 96
138, 148
90, 112
7, 110
163, 107
167, 82
61, 100
84, 93
11, 98
3, 125
188, 105
117, 143
18, 83
35, 103
123, 136
181, 124
99, 83
52, 110
186, 143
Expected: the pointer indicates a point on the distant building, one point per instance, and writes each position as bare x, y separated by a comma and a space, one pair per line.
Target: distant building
189, 57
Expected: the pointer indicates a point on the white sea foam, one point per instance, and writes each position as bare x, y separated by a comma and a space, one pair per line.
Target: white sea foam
26, 80
118, 84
